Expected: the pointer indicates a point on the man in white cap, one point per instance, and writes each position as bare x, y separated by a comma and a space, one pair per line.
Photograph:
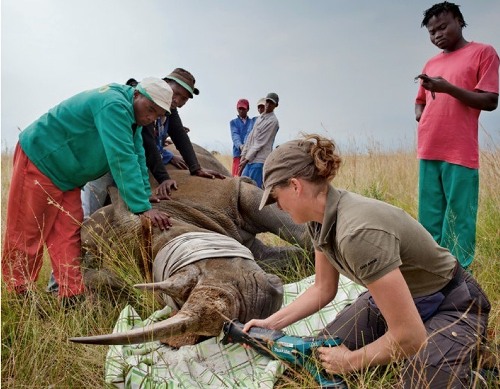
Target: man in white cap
259, 143
73, 143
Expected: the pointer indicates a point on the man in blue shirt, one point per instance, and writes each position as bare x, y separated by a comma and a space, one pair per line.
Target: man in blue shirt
240, 128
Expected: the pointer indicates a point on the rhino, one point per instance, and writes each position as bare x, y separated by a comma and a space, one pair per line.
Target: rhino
221, 217
206, 159
247, 221
230, 207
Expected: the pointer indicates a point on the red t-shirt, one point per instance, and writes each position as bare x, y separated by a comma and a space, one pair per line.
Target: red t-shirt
448, 129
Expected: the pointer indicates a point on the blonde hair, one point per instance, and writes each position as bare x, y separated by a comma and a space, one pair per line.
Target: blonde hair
326, 158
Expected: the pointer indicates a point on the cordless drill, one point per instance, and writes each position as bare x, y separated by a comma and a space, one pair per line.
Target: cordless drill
298, 350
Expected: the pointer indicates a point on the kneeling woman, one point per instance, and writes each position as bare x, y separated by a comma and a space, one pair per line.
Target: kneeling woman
420, 306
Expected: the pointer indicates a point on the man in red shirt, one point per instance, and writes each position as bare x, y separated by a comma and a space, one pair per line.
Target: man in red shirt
455, 86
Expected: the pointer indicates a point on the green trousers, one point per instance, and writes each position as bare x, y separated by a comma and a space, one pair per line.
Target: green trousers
447, 206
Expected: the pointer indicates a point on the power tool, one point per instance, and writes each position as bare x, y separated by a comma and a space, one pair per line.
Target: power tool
298, 350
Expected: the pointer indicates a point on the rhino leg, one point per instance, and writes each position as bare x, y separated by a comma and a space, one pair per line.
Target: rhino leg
275, 258
270, 218
99, 279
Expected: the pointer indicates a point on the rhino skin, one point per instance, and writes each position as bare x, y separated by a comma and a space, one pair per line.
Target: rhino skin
230, 207
245, 217
205, 158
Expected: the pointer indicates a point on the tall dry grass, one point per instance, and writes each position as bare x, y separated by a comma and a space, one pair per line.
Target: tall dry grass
35, 350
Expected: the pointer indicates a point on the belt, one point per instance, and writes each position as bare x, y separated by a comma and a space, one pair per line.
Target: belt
457, 279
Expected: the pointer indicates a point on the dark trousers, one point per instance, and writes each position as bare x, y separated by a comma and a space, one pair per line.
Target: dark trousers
454, 331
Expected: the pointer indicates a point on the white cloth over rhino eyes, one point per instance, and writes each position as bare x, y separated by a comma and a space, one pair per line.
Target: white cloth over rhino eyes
191, 247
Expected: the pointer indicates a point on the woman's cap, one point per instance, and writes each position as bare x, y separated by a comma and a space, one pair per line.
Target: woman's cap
184, 79
283, 163
156, 90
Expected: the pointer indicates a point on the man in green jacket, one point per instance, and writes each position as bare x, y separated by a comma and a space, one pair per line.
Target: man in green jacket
77, 141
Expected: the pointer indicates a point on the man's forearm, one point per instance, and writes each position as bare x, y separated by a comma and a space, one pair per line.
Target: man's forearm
153, 158
182, 142
484, 101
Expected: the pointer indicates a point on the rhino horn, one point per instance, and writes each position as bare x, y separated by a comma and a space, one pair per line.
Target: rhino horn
152, 285
175, 325
193, 318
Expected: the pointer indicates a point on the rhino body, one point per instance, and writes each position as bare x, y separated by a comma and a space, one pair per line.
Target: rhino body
230, 207
212, 289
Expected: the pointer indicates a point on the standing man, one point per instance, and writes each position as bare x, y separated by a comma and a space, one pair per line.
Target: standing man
77, 141
260, 141
456, 85
261, 107
240, 128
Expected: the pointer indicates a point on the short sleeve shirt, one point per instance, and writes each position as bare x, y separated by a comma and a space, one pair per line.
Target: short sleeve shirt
365, 239
448, 128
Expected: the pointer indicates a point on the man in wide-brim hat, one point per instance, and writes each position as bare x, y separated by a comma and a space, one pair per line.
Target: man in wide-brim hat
182, 83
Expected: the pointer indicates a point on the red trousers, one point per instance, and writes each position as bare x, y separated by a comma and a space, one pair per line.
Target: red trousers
38, 214
236, 166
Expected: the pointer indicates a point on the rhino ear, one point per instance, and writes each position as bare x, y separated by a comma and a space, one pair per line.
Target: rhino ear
116, 199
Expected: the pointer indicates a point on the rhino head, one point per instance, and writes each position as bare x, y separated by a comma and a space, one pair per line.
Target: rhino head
208, 290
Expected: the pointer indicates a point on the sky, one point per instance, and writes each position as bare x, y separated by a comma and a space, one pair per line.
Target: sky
342, 68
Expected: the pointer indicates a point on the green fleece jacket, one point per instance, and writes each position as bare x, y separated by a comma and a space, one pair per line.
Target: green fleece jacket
88, 135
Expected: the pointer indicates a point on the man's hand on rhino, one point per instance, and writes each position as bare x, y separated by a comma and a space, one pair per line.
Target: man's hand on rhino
159, 219
178, 162
164, 190
207, 173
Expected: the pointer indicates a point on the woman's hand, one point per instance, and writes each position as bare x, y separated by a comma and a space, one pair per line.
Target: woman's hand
263, 323
335, 360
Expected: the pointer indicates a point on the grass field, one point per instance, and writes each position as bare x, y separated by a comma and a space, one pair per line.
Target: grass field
35, 351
